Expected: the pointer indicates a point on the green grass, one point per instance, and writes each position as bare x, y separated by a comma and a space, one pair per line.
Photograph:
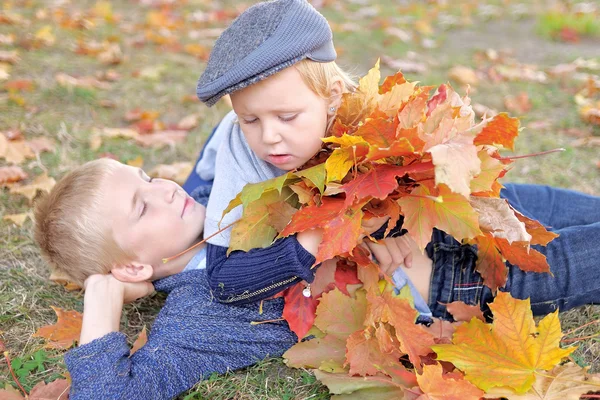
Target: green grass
551, 24
69, 116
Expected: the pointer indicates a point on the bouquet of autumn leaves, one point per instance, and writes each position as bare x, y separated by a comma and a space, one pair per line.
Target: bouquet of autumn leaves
396, 150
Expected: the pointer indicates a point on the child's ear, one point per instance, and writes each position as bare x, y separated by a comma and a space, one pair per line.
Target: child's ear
335, 94
132, 272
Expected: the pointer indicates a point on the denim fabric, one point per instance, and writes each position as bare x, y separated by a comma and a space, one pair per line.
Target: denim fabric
573, 256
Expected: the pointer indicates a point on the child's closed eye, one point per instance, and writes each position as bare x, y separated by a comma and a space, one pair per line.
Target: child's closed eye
288, 118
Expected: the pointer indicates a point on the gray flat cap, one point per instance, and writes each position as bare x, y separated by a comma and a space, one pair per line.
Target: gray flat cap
265, 39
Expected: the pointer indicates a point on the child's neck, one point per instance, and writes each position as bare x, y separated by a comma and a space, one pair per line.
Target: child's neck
178, 264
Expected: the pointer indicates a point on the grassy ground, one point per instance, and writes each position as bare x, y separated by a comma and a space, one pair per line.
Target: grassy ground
162, 78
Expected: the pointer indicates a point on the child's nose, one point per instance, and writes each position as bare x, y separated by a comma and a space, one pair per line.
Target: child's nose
270, 134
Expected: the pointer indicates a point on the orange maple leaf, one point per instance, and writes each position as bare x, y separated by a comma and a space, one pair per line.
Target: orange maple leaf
510, 351
454, 215
65, 332
439, 386
500, 131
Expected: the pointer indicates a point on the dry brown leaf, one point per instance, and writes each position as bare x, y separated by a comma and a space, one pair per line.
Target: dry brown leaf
497, 217
137, 162
41, 144
519, 103
42, 183
18, 219
189, 122
177, 172
56, 390
45, 36
140, 341
96, 138
65, 332
9, 175
4, 71
64, 280
87, 82
15, 151
161, 138
463, 75
113, 55
10, 57
481, 110
586, 141
406, 66
564, 382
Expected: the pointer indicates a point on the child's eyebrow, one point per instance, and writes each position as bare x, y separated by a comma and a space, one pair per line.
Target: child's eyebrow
135, 194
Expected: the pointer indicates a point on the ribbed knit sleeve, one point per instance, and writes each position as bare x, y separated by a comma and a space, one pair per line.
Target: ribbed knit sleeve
244, 277
192, 337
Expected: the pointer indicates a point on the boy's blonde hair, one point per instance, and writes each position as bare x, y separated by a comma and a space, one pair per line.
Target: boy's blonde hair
320, 76
73, 237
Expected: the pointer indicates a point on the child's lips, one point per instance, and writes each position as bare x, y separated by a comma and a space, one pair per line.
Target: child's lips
189, 202
278, 159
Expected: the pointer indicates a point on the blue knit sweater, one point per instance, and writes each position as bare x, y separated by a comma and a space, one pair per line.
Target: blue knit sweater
192, 337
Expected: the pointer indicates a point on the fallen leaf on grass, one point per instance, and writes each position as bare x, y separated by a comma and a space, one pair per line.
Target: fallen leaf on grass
140, 341
10, 393
10, 57
189, 122
64, 280
564, 382
56, 390
65, 332
161, 138
41, 144
137, 162
406, 66
587, 141
42, 183
463, 75
519, 103
18, 219
177, 172
20, 85
508, 352
99, 134
9, 175
44, 36
14, 151
87, 82
113, 55
4, 71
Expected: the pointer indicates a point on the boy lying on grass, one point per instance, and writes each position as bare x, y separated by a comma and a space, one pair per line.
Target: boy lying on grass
108, 226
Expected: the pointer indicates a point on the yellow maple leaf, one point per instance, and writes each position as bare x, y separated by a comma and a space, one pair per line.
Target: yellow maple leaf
508, 352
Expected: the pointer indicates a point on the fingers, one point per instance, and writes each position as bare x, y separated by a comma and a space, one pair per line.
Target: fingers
382, 255
404, 246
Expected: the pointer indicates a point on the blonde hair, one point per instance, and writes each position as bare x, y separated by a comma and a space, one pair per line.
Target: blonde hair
69, 227
320, 76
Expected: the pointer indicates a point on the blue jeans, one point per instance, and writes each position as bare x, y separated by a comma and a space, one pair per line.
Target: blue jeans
574, 257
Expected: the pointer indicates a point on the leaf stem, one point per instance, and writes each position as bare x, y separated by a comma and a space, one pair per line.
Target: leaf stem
266, 321
12, 372
581, 327
541, 153
580, 338
166, 260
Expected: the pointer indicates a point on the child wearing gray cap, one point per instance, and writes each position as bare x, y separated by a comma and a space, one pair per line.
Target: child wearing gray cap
277, 62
